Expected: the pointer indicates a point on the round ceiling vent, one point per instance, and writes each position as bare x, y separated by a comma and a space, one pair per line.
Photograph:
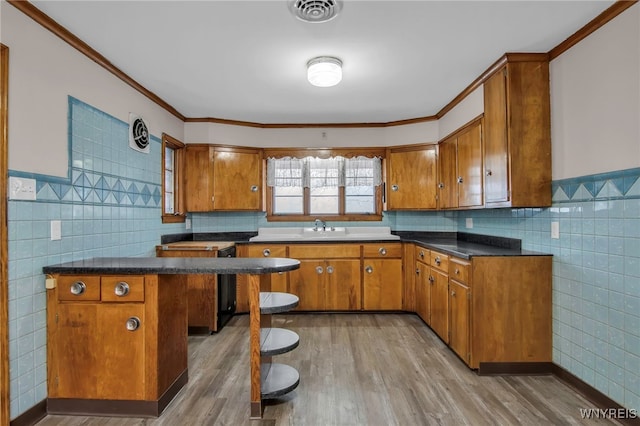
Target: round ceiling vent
315, 10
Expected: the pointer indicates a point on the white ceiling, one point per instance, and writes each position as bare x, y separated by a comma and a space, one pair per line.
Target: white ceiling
246, 60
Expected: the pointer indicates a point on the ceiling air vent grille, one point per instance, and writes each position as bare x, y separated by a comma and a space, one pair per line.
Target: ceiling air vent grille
315, 10
138, 134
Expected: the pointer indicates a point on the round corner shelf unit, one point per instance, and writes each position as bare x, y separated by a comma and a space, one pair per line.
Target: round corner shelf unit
274, 302
277, 380
277, 341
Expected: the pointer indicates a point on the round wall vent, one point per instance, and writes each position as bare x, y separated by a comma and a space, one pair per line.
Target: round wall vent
315, 10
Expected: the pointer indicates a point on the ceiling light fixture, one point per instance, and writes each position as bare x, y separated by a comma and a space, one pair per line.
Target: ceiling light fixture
324, 71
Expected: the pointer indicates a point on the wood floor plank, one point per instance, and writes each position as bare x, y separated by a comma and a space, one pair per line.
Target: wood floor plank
355, 369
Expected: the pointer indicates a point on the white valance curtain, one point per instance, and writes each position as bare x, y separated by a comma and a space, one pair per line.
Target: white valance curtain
312, 172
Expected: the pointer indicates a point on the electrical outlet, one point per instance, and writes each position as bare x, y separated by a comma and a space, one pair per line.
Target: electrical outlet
187, 223
469, 223
22, 188
56, 230
555, 230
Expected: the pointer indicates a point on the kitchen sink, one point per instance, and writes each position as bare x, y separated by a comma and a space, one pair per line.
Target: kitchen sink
328, 233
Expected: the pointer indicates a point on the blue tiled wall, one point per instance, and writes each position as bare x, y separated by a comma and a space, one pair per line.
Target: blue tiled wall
596, 275
109, 205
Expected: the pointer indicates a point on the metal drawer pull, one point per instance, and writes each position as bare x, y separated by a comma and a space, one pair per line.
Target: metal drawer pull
437, 260
254, 188
417, 271
78, 288
329, 269
460, 179
121, 289
319, 270
133, 323
382, 251
453, 293
489, 172
369, 269
431, 279
266, 252
421, 254
457, 271
394, 188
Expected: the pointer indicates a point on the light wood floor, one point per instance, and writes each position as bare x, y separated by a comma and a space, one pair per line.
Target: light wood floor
356, 369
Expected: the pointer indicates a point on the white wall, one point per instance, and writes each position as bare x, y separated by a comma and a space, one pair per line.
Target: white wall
43, 71
595, 101
320, 137
468, 109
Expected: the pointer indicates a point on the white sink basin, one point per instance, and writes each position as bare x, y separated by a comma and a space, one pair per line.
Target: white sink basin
351, 233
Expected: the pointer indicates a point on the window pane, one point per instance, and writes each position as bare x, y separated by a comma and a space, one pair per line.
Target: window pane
360, 199
168, 203
324, 200
168, 158
288, 200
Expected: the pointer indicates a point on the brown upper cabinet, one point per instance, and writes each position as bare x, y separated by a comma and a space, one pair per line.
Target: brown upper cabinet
517, 138
222, 178
411, 177
460, 168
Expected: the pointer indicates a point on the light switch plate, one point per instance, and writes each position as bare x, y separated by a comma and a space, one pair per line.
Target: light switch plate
56, 230
469, 223
22, 188
555, 230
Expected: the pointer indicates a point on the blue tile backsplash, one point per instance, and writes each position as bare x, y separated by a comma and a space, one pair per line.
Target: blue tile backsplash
109, 205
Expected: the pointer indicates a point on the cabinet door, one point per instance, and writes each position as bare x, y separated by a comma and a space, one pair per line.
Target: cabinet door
423, 292
382, 284
278, 280
411, 182
459, 314
342, 285
309, 284
469, 166
96, 356
237, 180
198, 179
440, 304
447, 186
496, 144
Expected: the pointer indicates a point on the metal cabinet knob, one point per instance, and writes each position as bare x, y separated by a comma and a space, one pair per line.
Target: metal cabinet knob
266, 252
421, 254
438, 261
460, 180
441, 185
329, 269
453, 293
369, 269
77, 288
382, 251
489, 173
254, 188
431, 279
457, 271
394, 188
417, 271
319, 270
121, 289
133, 323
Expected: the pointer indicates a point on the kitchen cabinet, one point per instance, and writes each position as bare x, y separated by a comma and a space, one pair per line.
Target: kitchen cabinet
459, 308
423, 284
411, 178
279, 280
517, 137
202, 289
220, 178
115, 338
439, 298
460, 168
382, 274
326, 283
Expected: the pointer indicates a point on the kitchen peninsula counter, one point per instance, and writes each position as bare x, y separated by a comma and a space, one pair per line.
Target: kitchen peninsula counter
117, 331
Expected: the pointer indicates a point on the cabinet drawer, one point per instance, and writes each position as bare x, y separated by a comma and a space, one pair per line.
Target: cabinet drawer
459, 269
324, 251
440, 261
125, 288
382, 250
422, 255
266, 250
78, 287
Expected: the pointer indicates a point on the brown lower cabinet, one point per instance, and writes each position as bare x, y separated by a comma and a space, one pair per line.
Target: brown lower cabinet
116, 341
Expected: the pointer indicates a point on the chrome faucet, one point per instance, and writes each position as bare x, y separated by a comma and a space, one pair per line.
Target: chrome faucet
318, 222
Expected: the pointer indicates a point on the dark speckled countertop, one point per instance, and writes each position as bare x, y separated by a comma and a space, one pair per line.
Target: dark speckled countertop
173, 265
460, 244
